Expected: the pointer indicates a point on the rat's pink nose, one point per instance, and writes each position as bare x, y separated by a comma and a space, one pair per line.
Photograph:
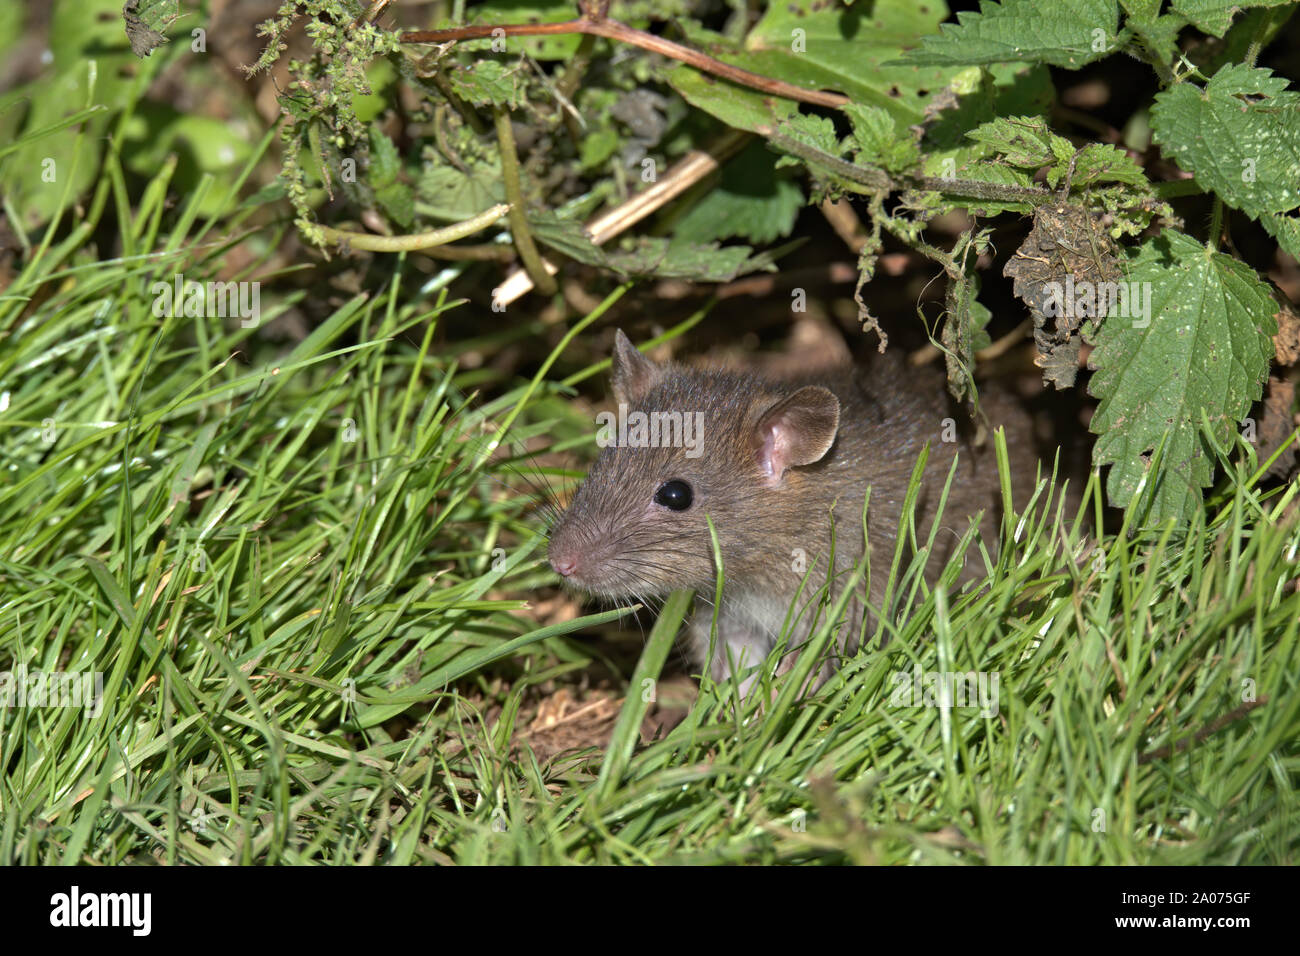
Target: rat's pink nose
564, 564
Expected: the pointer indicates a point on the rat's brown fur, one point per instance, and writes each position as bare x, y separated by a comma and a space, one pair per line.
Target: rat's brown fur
621, 544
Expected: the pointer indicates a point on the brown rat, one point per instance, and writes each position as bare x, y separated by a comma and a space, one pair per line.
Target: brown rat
768, 461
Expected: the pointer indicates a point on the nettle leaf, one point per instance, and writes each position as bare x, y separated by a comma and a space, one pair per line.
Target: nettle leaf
1023, 141
488, 83
1286, 230
385, 163
815, 131
1007, 89
568, 237
1102, 163
752, 200
1021, 145
1239, 136
1144, 10
734, 105
385, 170
1203, 346
1215, 16
1159, 34
1107, 176
824, 45
561, 46
1065, 33
451, 194
821, 45
1115, 183
698, 262
879, 141
653, 257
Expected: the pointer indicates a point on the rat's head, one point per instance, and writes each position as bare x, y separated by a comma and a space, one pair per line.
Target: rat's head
683, 444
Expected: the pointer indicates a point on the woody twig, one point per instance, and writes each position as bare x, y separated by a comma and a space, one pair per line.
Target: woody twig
593, 22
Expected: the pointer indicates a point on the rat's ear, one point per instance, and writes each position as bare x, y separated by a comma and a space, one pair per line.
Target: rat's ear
633, 374
797, 430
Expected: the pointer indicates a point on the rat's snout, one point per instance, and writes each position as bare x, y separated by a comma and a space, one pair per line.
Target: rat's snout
565, 554
564, 564
578, 559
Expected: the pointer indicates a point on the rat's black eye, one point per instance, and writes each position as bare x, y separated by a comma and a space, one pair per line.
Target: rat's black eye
675, 494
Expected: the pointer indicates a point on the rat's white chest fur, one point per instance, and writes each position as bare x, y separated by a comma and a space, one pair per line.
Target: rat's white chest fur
749, 627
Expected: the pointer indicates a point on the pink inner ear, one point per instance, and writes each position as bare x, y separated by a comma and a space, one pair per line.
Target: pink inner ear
773, 452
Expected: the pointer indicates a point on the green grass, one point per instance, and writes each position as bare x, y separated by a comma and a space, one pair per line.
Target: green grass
318, 649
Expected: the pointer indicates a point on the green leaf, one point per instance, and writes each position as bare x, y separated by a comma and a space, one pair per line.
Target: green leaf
1002, 89
736, 106
385, 169
815, 131
1158, 35
489, 83
751, 201
879, 141
1021, 145
824, 45
380, 77
698, 262
451, 194
568, 237
1065, 33
1023, 141
1215, 16
85, 30
821, 46
559, 47
1102, 163
598, 146
1115, 183
385, 163
1239, 136
113, 590
1205, 346
1108, 178
1008, 89
1286, 230
91, 61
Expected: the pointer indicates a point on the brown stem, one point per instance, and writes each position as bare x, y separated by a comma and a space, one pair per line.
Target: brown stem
1214, 726
613, 30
